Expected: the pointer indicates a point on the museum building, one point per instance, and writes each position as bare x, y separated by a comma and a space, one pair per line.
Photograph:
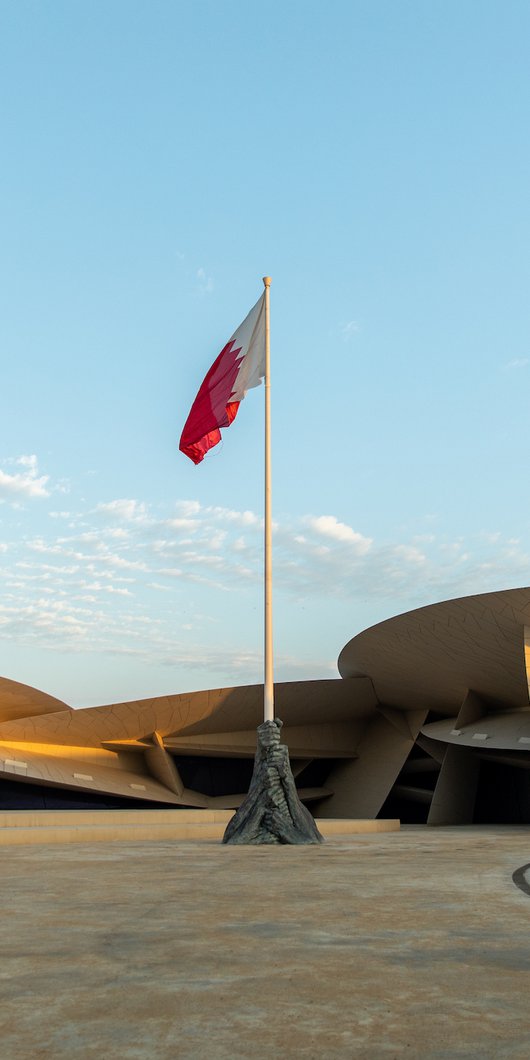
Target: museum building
429, 722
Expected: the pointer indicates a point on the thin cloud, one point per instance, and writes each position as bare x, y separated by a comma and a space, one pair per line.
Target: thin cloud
204, 283
187, 508
229, 515
330, 527
26, 483
518, 362
349, 329
123, 510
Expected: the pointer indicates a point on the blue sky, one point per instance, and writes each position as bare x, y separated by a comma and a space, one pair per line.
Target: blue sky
157, 160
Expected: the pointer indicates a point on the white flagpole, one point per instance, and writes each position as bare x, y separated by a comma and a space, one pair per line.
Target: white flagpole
268, 701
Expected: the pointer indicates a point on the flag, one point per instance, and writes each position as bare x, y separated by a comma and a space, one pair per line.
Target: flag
239, 366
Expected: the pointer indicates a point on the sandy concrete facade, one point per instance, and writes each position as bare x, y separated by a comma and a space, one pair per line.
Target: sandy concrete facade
411, 944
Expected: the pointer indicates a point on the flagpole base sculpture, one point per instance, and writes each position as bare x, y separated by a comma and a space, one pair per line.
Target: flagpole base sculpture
272, 811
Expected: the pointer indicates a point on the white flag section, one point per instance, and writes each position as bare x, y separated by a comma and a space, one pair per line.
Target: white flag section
239, 367
250, 338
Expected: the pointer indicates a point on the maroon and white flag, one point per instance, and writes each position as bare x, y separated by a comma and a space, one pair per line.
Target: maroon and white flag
239, 367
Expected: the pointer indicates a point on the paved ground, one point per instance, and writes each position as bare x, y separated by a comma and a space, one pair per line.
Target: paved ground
412, 944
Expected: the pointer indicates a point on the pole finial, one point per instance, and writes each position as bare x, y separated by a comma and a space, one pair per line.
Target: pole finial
267, 281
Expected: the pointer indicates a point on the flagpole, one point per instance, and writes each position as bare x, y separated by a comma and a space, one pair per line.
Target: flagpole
268, 699
272, 779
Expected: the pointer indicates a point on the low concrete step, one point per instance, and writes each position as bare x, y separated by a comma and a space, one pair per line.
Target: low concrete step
352, 826
124, 833
22, 827
43, 818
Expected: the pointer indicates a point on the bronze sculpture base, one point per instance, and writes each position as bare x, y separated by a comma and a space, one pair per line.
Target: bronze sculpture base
272, 811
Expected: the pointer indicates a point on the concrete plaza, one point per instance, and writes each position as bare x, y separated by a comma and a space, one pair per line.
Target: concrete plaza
407, 944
